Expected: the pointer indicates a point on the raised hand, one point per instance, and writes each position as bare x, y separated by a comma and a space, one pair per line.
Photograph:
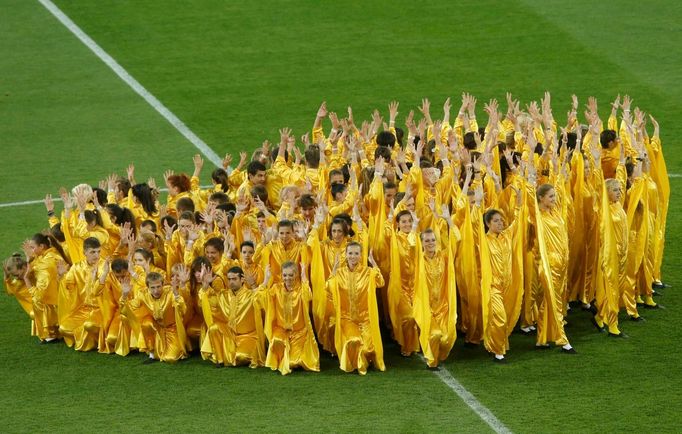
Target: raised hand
425, 109
168, 230
49, 203
227, 160
131, 173
322, 111
370, 257
392, 111
198, 164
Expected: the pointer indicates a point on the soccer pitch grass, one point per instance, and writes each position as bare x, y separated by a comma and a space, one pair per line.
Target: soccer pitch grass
235, 73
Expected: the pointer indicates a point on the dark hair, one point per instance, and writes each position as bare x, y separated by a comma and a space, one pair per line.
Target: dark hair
184, 204
93, 216
543, 190
335, 172
152, 225
146, 254
285, 224
247, 244
489, 216
399, 134
385, 139
216, 243
383, 152
180, 181
219, 198
187, 215
219, 176
254, 167
606, 137
122, 215
402, 213
101, 195
338, 221
571, 140
469, 141
260, 192
312, 156
172, 221
124, 185
307, 201
235, 270
337, 189
56, 232
48, 240
144, 194
196, 266
91, 243
118, 265
389, 185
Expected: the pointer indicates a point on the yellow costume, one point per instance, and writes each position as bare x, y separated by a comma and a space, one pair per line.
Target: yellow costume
401, 288
435, 301
356, 336
80, 317
45, 293
160, 321
235, 327
289, 330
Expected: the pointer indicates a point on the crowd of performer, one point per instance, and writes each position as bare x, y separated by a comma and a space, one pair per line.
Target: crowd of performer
445, 227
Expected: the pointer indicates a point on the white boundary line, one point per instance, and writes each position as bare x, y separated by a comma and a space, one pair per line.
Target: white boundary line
59, 199
134, 84
474, 404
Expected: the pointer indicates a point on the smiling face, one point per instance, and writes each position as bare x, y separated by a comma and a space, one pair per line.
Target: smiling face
212, 254
429, 243
405, 223
353, 255
289, 275
286, 234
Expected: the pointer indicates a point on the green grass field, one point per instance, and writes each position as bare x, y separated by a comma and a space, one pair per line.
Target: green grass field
235, 73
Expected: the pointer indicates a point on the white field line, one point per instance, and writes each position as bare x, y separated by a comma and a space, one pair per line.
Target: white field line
59, 199
134, 84
470, 400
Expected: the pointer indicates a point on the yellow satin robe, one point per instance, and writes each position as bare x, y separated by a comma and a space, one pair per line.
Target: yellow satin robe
401, 289
289, 329
235, 327
435, 301
45, 293
357, 338
160, 322
80, 317
552, 243
275, 254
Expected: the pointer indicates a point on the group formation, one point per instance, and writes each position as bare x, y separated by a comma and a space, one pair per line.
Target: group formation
445, 227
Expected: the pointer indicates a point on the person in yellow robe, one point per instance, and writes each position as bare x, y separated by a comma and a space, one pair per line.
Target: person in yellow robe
80, 317
117, 333
47, 262
253, 271
235, 326
159, 311
501, 262
287, 322
353, 287
14, 268
552, 248
435, 299
401, 285
285, 249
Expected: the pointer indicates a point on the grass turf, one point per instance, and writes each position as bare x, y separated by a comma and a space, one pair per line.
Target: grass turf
235, 73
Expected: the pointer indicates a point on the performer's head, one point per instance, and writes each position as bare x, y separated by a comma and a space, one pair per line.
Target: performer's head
235, 278
289, 274
353, 254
